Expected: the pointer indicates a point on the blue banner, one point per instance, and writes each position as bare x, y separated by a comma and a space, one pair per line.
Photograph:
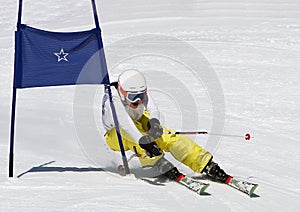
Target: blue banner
46, 58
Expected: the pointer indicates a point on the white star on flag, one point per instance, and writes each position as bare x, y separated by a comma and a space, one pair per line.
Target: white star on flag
62, 55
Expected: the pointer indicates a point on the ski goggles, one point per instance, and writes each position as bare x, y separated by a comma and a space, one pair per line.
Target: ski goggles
136, 96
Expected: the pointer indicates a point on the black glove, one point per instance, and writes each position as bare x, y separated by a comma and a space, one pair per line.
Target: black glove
154, 128
149, 145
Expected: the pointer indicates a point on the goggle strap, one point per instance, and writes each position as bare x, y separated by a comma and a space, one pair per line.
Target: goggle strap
123, 92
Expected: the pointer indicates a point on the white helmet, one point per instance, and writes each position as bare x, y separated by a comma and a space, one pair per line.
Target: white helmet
132, 85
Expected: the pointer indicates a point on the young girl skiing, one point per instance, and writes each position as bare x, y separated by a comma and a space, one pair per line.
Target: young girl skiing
143, 134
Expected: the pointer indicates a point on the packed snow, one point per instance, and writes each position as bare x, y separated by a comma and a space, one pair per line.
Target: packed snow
226, 67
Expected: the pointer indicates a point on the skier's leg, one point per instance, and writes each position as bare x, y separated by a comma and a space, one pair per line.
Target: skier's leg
159, 165
167, 169
185, 150
129, 144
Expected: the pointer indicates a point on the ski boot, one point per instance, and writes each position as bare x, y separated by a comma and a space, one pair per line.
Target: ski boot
213, 170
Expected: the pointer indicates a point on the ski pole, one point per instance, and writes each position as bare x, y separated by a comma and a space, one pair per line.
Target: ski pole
247, 136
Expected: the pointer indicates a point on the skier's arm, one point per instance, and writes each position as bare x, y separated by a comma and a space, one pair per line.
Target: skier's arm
155, 130
125, 121
152, 108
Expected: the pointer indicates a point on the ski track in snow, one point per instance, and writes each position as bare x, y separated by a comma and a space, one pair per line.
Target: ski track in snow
253, 47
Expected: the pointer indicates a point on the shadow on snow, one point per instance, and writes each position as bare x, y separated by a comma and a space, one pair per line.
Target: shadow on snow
45, 168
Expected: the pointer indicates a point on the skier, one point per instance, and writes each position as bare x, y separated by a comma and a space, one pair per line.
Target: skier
143, 134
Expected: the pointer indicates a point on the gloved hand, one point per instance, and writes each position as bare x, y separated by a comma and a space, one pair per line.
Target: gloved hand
155, 130
149, 145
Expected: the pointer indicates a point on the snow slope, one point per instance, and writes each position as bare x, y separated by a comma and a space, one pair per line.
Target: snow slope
211, 65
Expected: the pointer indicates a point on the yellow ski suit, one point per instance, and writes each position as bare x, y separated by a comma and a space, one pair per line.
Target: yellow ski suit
180, 146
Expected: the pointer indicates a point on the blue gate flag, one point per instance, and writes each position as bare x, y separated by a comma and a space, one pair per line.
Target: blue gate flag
46, 58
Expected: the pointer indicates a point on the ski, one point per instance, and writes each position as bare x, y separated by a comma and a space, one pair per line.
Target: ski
194, 185
242, 185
